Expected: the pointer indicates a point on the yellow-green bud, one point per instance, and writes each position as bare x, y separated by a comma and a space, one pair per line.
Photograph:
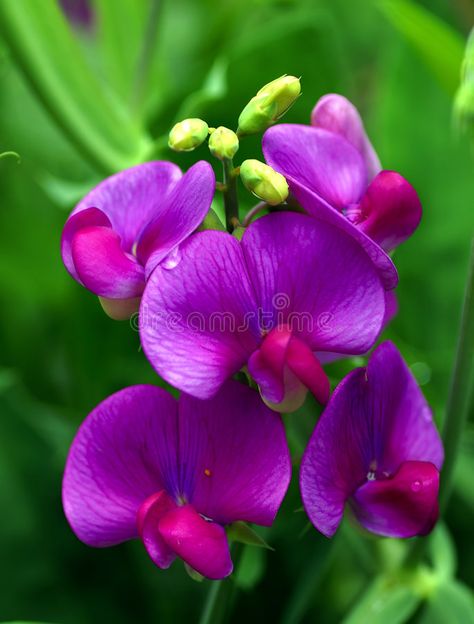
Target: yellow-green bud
264, 182
270, 103
187, 135
223, 143
282, 93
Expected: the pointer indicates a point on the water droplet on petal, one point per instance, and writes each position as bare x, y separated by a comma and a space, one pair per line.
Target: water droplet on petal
416, 485
427, 414
172, 259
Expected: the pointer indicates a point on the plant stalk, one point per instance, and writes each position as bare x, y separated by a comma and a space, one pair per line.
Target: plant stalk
231, 202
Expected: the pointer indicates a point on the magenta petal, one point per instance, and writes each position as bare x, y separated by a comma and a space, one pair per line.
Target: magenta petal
149, 515
200, 543
390, 210
267, 364
404, 505
320, 160
238, 464
322, 211
198, 321
376, 419
77, 221
102, 265
315, 279
337, 114
307, 368
177, 216
131, 198
124, 452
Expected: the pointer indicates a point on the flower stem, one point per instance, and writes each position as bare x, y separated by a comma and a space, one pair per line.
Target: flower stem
231, 203
458, 405
253, 212
461, 388
221, 596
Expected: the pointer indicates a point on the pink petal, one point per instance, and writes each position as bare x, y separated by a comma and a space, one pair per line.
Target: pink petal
390, 210
150, 513
404, 505
200, 543
103, 267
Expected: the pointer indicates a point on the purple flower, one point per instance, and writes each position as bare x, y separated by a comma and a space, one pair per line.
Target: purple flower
292, 287
375, 447
173, 473
131, 222
335, 174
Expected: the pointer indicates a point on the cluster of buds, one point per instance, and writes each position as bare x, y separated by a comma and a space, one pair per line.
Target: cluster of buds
271, 102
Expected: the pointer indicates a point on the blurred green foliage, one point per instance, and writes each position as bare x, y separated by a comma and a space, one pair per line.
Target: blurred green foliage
78, 103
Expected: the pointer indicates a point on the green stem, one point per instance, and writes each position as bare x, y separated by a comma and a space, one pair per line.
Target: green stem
461, 388
458, 405
221, 596
231, 202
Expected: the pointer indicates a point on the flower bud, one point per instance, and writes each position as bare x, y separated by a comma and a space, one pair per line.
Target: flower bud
270, 103
223, 143
264, 182
187, 135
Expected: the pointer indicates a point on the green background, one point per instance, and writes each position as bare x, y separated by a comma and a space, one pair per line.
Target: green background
79, 103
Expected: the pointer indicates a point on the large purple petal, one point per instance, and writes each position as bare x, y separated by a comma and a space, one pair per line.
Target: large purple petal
198, 323
317, 280
202, 544
323, 192
124, 452
131, 198
178, 216
390, 210
337, 114
103, 267
237, 460
322, 211
322, 161
404, 505
376, 419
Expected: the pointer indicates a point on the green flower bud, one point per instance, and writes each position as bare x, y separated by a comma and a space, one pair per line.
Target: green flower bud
281, 93
264, 182
223, 143
187, 135
270, 103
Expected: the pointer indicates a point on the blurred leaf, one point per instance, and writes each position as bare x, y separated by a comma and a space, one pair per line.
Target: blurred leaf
213, 88
387, 601
64, 193
51, 59
120, 27
451, 603
241, 532
443, 554
440, 46
250, 568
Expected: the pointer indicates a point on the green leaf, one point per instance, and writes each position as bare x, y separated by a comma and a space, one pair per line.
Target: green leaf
52, 60
451, 603
242, 533
387, 601
250, 569
440, 46
443, 554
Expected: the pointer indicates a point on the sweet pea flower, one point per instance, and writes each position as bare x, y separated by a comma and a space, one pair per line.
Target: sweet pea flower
291, 288
174, 473
131, 222
335, 174
377, 449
